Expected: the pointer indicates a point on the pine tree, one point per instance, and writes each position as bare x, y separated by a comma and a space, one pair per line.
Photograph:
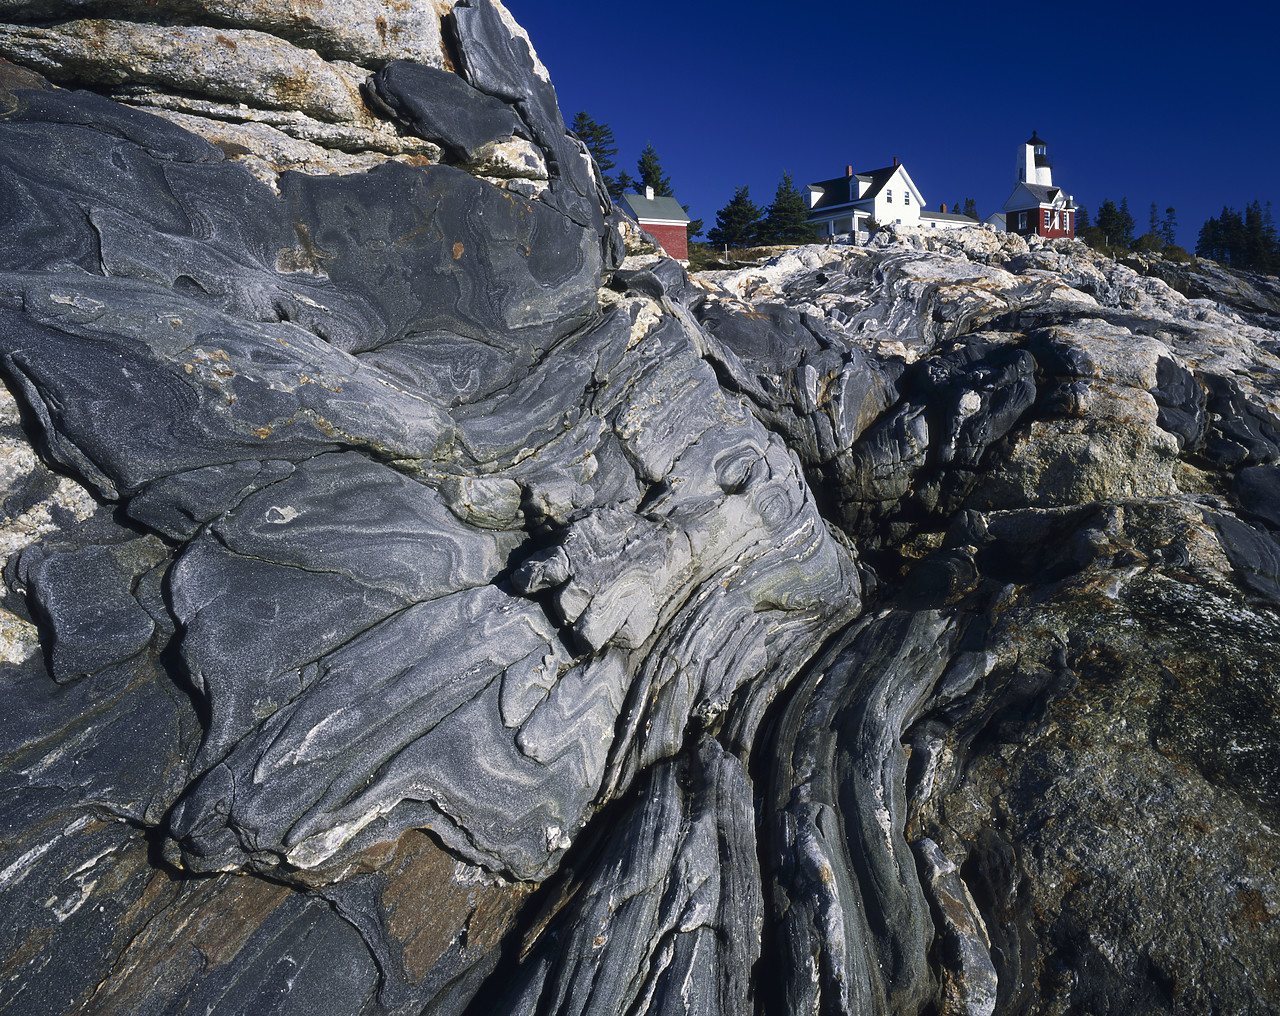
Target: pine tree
1169, 227
737, 223
695, 225
598, 137
1124, 225
786, 220
651, 174
1086, 231
1208, 242
1115, 224
971, 208
1150, 240
1232, 237
1108, 222
620, 185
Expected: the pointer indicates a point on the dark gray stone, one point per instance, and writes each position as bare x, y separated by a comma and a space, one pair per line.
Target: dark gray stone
855, 927
1258, 488
1243, 433
439, 106
1182, 403
1254, 552
444, 632
86, 596
668, 915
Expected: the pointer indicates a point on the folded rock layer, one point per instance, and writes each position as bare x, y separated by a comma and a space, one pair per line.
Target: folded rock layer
412, 603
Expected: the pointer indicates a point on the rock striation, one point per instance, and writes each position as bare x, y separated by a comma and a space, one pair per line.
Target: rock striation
413, 604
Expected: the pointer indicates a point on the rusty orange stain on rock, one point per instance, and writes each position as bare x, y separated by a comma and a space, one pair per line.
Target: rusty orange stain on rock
262, 432
457, 251
1253, 906
229, 43
428, 910
207, 928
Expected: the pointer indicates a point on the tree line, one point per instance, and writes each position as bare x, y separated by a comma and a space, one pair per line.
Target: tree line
1242, 240
741, 223
1114, 230
600, 142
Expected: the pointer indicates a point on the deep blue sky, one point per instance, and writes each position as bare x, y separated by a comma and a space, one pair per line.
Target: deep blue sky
1160, 102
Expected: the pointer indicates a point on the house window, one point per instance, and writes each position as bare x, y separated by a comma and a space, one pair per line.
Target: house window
1022, 220
1046, 218
906, 197
888, 195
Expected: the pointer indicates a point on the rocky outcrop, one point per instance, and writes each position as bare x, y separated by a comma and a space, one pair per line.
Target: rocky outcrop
412, 605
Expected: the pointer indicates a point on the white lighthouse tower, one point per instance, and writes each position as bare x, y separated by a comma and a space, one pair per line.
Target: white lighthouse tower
1033, 162
1036, 205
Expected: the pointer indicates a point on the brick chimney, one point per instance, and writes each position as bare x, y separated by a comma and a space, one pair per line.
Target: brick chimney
848, 171
943, 209
895, 160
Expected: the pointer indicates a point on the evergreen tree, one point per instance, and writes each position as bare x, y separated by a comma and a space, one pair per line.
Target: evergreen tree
786, 220
1125, 224
620, 185
598, 137
695, 225
1257, 251
1209, 240
651, 174
737, 223
1153, 221
1169, 227
1086, 231
1108, 221
1231, 238
1115, 224
971, 208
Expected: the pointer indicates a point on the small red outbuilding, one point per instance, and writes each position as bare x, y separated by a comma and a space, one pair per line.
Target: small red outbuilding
663, 218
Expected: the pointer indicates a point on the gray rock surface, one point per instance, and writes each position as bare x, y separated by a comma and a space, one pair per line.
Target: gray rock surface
412, 605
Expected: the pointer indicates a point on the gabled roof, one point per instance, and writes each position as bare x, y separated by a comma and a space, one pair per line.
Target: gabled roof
949, 217
840, 191
660, 209
877, 179
1044, 192
834, 192
1027, 195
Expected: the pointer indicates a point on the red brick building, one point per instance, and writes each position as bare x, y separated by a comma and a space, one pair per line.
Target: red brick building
663, 218
1036, 205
